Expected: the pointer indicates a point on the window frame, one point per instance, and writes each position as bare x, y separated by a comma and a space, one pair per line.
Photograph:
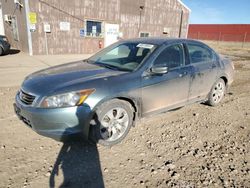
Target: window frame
101, 35
213, 53
144, 33
168, 46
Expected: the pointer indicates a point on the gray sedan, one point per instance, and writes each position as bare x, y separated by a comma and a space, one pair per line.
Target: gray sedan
102, 97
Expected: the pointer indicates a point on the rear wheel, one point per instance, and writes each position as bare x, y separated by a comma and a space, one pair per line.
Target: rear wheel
217, 93
112, 123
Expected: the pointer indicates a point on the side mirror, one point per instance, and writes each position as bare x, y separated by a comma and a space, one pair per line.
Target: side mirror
159, 70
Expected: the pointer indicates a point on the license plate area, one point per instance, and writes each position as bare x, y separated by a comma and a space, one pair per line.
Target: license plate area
18, 113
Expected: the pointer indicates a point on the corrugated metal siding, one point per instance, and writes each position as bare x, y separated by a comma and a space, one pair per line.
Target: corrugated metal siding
156, 15
8, 7
75, 11
220, 32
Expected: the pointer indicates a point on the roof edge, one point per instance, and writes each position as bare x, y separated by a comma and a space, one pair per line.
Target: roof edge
184, 5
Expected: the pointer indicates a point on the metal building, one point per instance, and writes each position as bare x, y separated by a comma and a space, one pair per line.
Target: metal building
84, 26
220, 32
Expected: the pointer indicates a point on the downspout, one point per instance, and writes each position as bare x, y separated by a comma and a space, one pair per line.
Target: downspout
27, 10
180, 30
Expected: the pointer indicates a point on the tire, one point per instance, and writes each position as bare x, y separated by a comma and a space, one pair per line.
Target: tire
112, 122
217, 93
1, 51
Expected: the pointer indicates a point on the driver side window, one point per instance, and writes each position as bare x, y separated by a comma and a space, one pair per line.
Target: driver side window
171, 57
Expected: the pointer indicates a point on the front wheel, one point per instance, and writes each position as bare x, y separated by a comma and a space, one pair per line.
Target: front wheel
112, 123
217, 93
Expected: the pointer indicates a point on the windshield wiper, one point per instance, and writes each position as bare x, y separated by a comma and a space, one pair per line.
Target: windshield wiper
107, 66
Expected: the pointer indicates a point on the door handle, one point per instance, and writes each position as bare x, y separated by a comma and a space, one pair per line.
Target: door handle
213, 66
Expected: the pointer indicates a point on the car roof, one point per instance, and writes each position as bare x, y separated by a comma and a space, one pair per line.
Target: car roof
159, 40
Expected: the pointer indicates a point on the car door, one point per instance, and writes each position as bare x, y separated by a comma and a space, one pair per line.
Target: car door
205, 70
165, 91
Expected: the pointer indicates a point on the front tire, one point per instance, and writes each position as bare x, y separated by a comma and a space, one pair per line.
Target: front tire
217, 93
112, 122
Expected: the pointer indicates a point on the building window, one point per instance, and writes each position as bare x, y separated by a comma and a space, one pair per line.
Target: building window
93, 28
144, 34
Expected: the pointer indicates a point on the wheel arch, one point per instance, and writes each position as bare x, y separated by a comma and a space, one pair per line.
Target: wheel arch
225, 79
134, 103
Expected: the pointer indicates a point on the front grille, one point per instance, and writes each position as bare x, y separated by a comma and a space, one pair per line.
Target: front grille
26, 98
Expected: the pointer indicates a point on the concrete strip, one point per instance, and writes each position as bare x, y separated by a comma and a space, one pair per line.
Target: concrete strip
15, 67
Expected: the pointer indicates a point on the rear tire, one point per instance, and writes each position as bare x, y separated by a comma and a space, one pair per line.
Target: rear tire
217, 93
112, 123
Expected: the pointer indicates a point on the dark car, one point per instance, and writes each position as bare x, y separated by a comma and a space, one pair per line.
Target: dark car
4, 45
102, 97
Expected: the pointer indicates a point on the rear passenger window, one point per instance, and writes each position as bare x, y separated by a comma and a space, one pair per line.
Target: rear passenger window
171, 57
199, 53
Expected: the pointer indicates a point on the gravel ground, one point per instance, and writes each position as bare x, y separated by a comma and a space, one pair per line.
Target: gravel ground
196, 146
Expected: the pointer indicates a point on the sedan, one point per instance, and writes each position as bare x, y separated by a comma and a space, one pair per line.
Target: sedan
102, 97
4, 45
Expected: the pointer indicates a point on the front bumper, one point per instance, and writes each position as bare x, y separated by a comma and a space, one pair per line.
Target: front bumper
59, 123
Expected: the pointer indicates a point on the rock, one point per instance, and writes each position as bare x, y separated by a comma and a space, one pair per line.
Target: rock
195, 114
168, 162
171, 166
50, 168
155, 172
142, 182
183, 137
105, 170
3, 147
175, 175
48, 174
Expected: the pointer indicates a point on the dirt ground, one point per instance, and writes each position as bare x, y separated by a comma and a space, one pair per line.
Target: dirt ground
196, 146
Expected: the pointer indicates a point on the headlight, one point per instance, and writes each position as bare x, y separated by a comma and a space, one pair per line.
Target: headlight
70, 99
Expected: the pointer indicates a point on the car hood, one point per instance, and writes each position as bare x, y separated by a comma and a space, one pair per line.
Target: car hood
65, 76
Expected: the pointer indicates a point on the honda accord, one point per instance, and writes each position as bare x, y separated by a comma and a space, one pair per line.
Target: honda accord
102, 97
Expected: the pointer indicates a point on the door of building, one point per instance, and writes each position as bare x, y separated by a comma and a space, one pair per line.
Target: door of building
111, 34
1, 21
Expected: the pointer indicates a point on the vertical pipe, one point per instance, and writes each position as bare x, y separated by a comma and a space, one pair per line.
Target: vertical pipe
27, 10
139, 29
180, 30
46, 44
218, 42
245, 37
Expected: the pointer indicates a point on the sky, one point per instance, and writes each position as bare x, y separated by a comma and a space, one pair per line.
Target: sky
219, 11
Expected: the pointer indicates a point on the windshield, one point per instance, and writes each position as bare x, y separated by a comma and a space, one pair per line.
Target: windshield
123, 56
